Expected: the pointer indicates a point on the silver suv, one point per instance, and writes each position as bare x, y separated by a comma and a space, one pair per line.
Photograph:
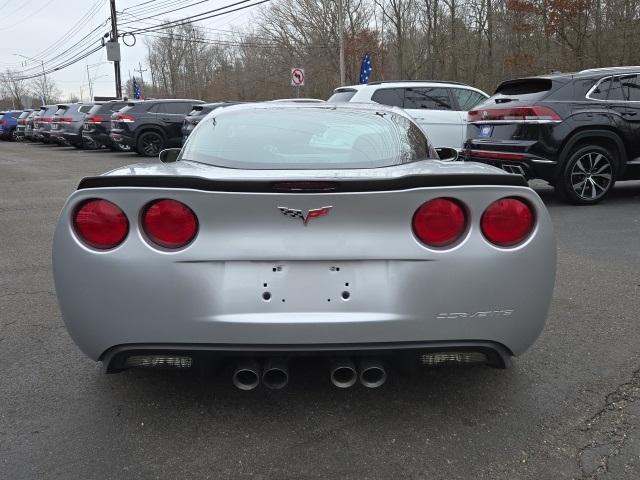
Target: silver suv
440, 108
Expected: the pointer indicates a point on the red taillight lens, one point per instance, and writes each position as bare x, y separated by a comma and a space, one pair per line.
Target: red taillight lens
101, 224
94, 119
440, 222
169, 223
507, 222
122, 117
1, 122
533, 114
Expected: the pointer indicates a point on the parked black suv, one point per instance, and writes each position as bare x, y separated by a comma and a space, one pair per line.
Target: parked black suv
578, 131
97, 125
197, 113
149, 126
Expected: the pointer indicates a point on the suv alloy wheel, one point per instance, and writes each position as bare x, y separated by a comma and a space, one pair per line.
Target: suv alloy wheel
150, 144
587, 176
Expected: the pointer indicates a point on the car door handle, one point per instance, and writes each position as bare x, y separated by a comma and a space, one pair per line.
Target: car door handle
166, 119
629, 114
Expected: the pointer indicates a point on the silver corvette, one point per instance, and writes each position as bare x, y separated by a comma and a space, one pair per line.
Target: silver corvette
284, 231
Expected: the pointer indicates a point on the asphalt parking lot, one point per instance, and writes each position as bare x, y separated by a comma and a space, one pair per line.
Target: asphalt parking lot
568, 408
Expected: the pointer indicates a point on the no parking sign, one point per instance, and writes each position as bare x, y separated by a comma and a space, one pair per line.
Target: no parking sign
297, 77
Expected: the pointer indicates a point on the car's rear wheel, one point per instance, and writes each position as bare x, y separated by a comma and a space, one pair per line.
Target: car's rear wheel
14, 135
150, 144
587, 176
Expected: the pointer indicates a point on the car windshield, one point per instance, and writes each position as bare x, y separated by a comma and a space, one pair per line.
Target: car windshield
306, 138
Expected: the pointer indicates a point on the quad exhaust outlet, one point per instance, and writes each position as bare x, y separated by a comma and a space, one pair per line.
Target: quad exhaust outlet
246, 375
343, 372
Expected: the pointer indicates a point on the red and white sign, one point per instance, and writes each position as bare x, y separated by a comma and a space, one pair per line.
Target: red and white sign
297, 77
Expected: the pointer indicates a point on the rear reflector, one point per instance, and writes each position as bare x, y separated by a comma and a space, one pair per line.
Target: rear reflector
94, 119
159, 361
494, 155
100, 224
535, 114
439, 222
507, 222
169, 223
435, 359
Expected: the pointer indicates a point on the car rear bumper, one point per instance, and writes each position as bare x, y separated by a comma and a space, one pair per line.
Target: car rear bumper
514, 156
72, 138
122, 139
98, 138
115, 359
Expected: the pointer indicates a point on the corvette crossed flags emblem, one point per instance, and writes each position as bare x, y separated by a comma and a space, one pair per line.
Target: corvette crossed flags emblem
305, 217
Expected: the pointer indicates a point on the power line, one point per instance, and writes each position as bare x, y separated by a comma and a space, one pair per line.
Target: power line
216, 12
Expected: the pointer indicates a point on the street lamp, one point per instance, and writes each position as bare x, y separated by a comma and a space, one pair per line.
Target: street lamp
44, 75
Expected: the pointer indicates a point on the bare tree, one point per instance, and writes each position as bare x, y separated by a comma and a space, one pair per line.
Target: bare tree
13, 87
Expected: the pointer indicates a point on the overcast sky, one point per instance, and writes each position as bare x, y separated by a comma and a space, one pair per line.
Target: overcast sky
42, 29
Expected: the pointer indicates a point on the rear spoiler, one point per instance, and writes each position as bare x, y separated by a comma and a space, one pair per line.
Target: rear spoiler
301, 185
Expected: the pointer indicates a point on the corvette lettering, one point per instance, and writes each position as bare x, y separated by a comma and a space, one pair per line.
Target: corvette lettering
305, 217
485, 314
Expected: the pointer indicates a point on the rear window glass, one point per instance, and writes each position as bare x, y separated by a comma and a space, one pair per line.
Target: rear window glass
174, 108
601, 92
467, 99
25, 114
525, 87
393, 97
433, 98
305, 138
84, 108
342, 96
61, 111
624, 89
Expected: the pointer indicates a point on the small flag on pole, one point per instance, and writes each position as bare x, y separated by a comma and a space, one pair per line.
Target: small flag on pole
365, 68
137, 94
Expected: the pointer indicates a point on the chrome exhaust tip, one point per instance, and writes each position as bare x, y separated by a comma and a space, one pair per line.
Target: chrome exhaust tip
343, 372
246, 376
372, 373
275, 373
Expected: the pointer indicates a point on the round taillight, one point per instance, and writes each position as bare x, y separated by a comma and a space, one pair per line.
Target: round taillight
169, 223
507, 222
440, 222
100, 224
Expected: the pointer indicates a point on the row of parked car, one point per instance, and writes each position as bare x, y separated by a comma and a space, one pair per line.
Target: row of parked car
146, 127
578, 131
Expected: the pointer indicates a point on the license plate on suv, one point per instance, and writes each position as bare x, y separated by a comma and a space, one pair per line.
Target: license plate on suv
485, 131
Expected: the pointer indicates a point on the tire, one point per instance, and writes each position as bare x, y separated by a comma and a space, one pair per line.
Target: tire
14, 135
587, 176
150, 144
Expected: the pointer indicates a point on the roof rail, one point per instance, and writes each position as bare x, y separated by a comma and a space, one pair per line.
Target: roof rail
380, 82
602, 69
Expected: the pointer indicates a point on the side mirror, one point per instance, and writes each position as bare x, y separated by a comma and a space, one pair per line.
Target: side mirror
169, 155
447, 154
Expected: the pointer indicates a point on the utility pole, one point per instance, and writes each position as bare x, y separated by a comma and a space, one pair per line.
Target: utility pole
45, 86
140, 70
114, 38
341, 40
90, 87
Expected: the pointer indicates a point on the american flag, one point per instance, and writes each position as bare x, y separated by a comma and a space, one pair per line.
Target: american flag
365, 68
137, 93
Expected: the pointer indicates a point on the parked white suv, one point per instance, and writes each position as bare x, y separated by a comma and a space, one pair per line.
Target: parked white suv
440, 108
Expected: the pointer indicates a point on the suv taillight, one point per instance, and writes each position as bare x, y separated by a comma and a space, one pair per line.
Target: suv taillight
535, 114
61, 120
169, 223
94, 119
122, 117
440, 222
100, 224
507, 222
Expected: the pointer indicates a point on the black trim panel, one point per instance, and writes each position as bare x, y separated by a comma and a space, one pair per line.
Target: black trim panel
270, 186
113, 359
